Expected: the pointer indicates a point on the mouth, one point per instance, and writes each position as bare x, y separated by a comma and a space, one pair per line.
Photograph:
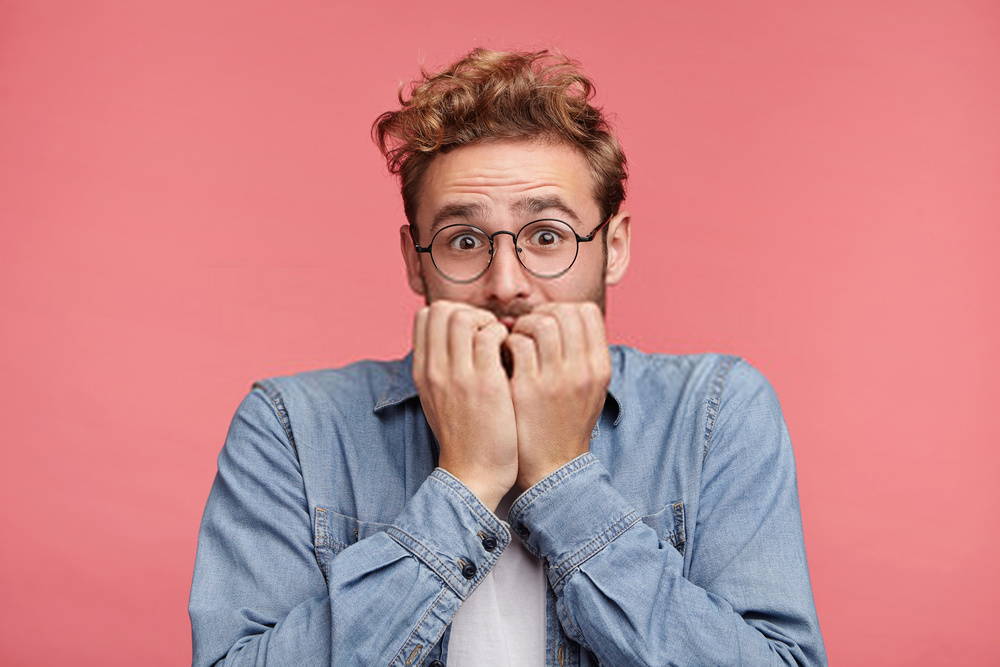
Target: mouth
508, 322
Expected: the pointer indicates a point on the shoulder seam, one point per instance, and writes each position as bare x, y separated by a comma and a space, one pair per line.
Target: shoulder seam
278, 404
714, 398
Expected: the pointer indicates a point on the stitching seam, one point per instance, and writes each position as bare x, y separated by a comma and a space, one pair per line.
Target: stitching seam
278, 404
416, 628
713, 401
489, 521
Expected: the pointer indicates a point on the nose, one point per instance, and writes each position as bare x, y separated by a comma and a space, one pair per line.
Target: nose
507, 279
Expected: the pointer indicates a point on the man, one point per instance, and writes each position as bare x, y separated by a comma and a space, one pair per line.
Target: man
514, 491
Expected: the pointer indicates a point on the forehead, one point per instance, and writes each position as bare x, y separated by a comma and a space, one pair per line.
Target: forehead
496, 175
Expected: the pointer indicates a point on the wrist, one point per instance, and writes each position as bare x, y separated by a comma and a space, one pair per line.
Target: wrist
487, 493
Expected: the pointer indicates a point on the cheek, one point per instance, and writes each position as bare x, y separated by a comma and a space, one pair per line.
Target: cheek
578, 283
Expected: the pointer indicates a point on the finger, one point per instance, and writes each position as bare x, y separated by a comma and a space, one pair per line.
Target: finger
486, 347
574, 336
597, 343
522, 349
463, 323
543, 329
419, 342
437, 335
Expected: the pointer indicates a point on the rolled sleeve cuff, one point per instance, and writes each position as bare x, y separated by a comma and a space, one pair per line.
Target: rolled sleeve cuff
446, 526
570, 515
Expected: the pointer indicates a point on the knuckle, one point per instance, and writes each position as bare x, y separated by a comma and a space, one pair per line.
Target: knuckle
461, 317
488, 332
437, 308
477, 310
463, 382
435, 377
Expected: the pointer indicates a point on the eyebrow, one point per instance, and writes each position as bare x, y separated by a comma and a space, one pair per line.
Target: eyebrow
532, 205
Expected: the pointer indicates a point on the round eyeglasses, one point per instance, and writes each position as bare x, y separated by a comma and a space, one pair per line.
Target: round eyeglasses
547, 248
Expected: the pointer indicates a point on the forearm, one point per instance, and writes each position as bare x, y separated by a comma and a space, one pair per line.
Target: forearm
621, 592
387, 598
671, 620
259, 596
385, 614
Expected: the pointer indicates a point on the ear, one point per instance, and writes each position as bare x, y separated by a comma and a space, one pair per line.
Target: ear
618, 248
412, 259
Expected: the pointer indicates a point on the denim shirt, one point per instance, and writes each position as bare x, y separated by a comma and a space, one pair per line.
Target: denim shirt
331, 537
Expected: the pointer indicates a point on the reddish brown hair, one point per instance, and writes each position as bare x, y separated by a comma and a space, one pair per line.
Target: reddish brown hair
500, 95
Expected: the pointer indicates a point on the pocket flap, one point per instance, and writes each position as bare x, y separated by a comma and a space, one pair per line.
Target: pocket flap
668, 522
336, 531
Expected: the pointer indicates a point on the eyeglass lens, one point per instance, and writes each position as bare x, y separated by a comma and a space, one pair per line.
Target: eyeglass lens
545, 247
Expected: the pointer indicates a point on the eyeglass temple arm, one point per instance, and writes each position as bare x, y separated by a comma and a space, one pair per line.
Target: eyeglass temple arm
590, 236
417, 246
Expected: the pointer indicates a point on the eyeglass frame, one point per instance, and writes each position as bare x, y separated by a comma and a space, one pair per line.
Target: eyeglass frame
579, 240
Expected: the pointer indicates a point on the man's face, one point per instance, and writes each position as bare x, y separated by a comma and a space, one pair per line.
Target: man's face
498, 176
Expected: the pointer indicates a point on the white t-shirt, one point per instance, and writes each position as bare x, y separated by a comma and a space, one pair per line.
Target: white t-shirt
503, 622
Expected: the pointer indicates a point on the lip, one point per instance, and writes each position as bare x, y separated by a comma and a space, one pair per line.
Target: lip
508, 322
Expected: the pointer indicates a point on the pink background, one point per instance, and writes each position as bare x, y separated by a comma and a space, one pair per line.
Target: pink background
815, 186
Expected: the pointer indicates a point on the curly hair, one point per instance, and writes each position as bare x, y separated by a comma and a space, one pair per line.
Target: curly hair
500, 95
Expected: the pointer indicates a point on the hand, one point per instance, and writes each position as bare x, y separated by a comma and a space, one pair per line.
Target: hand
561, 373
465, 395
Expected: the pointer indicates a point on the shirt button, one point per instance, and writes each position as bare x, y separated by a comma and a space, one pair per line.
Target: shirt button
437, 663
469, 571
522, 530
489, 543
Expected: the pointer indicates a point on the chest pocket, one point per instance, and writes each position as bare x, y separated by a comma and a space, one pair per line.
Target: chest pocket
333, 532
669, 524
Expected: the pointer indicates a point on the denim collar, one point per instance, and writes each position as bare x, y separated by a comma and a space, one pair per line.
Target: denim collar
399, 385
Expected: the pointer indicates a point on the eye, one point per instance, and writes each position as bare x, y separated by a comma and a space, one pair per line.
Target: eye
546, 237
465, 241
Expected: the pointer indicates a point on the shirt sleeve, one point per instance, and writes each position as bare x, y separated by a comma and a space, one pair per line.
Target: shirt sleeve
258, 595
746, 599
